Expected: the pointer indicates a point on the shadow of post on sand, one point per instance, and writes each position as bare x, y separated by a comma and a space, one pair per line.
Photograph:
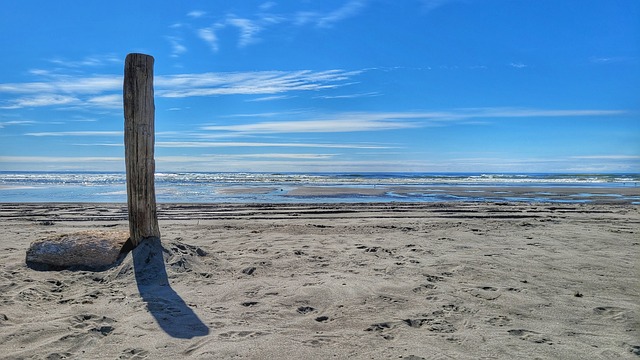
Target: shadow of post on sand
173, 315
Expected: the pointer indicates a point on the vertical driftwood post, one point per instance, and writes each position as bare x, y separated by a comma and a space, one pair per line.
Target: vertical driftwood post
139, 137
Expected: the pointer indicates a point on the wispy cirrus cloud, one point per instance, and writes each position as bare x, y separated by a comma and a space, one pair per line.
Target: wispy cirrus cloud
89, 61
248, 30
105, 91
251, 25
247, 83
196, 14
4, 124
39, 101
232, 144
177, 46
350, 9
226, 144
65, 84
76, 133
518, 65
384, 121
346, 122
57, 159
512, 112
608, 157
305, 156
349, 96
267, 5
271, 98
610, 59
209, 36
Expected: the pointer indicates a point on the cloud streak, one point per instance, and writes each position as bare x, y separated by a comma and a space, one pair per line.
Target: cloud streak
250, 26
203, 144
345, 123
385, 121
58, 159
106, 90
350, 9
250, 83
209, 37
4, 124
77, 133
177, 47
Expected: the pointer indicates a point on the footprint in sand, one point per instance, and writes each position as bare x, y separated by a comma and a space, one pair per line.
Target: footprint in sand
317, 342
240, 335
305, 310
499, 320
57, 356
612, 312
531, 336
94, 324
484, 292
424, 287
133, 354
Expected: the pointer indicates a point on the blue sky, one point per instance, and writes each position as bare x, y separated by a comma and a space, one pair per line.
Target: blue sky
332, 85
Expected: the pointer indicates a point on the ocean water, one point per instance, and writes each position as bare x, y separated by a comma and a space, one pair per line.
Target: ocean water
334, 187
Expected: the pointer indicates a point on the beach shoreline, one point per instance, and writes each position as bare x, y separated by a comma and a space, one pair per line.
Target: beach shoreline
333, 188
462, 280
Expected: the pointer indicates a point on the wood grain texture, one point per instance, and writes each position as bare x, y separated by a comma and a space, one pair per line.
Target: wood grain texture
139, 138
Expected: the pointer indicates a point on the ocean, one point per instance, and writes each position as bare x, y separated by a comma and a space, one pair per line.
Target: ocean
323, 187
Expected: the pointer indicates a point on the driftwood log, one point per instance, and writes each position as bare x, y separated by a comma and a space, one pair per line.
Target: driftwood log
92, 250
139, 138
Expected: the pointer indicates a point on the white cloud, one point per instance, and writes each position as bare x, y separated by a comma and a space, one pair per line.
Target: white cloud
518, 65
271, 98
608, 157
39, 101
248, 29
349, 96
57, 159
77, 133
4, 124
246, 83
66, 84
267, 5
304, 17
209, 36
350, 123
340, 122
610, 59
281, 156
384, 121
507, 112
196, 14
106, 101
177, 48
202, 144
350, 9
250, 26
89, 61
105, 91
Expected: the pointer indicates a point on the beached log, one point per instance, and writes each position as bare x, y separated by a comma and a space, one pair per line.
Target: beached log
86, 249
139, 138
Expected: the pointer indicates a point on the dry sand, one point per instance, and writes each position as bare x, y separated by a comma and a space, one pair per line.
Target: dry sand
358, 281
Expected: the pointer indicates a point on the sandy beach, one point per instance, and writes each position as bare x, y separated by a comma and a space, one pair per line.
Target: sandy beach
458, 280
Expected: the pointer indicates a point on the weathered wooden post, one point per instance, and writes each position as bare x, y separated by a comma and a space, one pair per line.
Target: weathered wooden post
139, 137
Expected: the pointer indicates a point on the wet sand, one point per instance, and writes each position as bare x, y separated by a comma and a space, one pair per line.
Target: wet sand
433, 193
342, 281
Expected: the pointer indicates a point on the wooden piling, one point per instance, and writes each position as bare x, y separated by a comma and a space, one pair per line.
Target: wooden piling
139, 138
